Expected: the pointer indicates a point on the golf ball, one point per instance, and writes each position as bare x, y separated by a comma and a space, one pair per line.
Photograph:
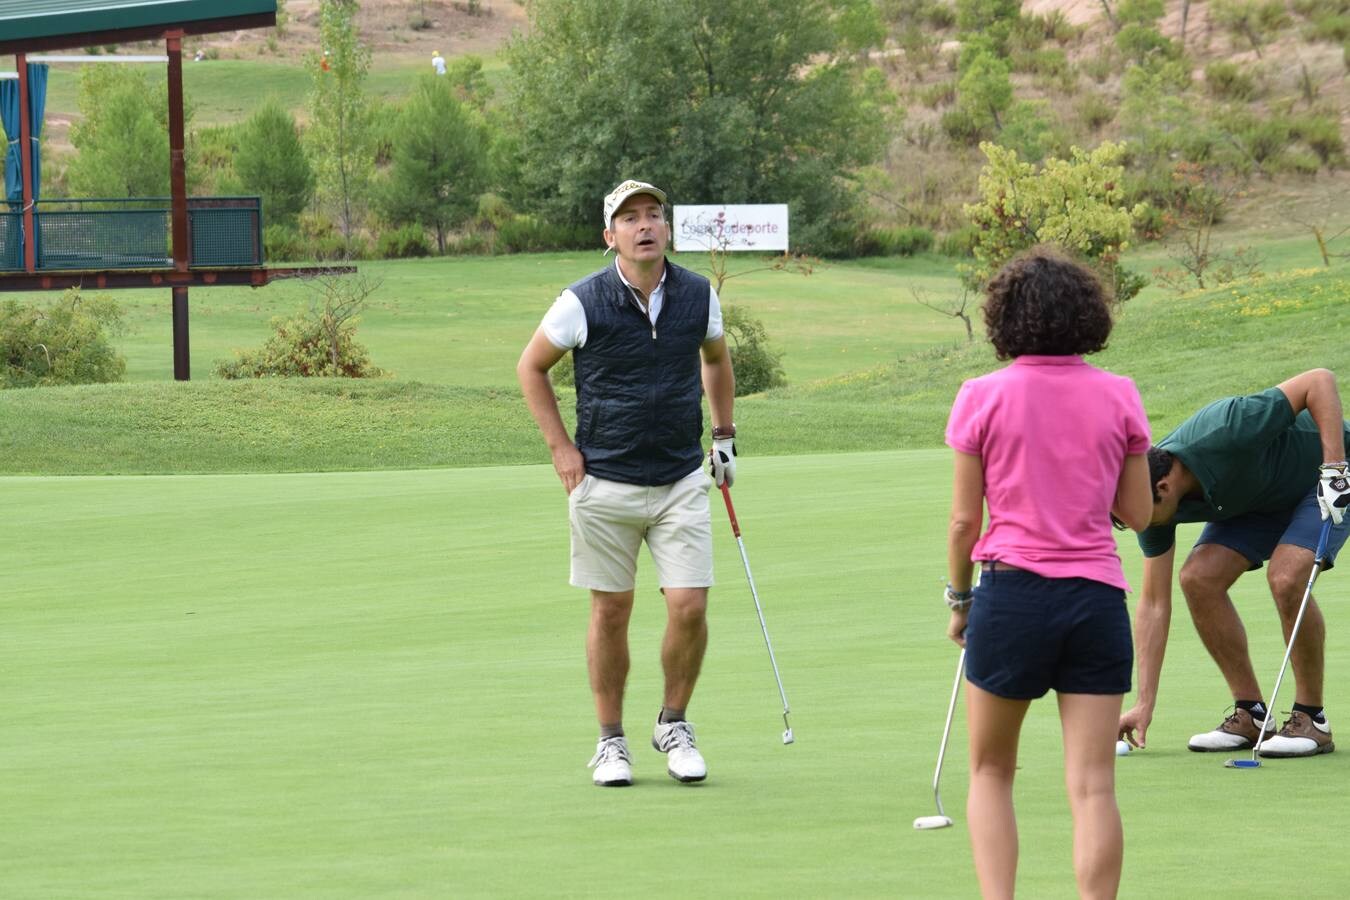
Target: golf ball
1122, 748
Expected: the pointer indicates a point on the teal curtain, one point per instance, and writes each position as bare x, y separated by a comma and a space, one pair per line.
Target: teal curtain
9, 113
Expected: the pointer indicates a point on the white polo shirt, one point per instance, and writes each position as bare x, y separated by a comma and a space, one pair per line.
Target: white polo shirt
565, 322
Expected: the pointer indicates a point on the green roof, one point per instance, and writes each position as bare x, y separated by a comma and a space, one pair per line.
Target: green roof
43, 23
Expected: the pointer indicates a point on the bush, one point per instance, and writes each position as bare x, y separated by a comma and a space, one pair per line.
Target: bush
903, 240
527, 234
408, 242
757, 367
469, 243
1094, 111
65, 342
959, 244
282, 242
1322, 134
943, 93
1140, 43
319, 341
962, 127
1227, 81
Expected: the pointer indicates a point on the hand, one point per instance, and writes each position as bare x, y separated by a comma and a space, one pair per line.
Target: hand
1333, 490
1136, 717
956, 627
570, 466
722, 461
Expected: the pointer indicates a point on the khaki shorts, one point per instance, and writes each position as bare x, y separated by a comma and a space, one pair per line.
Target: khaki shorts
610, 520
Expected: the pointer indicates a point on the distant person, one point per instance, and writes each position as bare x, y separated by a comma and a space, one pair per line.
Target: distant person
323, 62
1263, 471
1053, 447
199, 55
438, 62
647, 342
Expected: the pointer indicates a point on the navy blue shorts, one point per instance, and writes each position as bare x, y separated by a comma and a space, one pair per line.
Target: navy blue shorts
1256, 535
1027, 634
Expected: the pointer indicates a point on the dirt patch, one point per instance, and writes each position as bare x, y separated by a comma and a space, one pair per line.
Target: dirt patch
396, 31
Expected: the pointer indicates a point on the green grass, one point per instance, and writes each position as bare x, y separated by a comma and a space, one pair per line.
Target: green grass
372, 684
869, 368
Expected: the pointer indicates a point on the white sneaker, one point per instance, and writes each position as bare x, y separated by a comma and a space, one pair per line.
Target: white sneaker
1237, 732
676, 741
612, 763
1300, 736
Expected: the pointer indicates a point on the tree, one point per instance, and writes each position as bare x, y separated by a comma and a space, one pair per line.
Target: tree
985, 90
122, 137
339, 137
271, 161
754, 101
1075, 203
440, 161
989, 19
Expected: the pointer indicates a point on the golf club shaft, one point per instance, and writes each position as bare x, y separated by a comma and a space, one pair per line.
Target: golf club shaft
1319, 557
947, 730
736, 530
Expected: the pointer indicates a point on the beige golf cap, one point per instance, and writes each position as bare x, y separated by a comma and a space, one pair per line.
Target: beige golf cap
624, 191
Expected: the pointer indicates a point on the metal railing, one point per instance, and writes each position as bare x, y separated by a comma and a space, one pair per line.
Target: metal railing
135, 233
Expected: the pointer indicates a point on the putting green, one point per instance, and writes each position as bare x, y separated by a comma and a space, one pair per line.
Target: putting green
373, 685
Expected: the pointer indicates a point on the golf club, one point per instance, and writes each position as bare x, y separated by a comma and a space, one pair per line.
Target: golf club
736, 530
1253, 762
942, 820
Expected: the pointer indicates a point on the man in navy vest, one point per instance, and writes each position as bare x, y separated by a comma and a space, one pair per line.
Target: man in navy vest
647, 343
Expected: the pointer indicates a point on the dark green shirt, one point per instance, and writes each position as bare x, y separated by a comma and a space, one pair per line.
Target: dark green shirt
1250, 454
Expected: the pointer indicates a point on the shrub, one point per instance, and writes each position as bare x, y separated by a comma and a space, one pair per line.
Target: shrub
757, 366
943, 93
1094, 111
959, 244
962, 126
408, 242
282, 242
1265, 140
1228, 81
528, 234
1329, 26
64, 342
1322, 134
1141, 42
903, 240
469, 243
318, 341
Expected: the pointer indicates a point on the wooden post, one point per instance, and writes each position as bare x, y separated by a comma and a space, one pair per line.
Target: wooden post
182, 362
26, 168
182, 251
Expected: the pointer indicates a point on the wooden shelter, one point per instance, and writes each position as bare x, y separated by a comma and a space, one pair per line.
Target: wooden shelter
53, 245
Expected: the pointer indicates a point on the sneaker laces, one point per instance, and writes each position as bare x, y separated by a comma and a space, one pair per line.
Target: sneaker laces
680, 736
610, 750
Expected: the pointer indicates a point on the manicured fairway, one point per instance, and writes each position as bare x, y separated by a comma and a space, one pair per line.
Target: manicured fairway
371, 685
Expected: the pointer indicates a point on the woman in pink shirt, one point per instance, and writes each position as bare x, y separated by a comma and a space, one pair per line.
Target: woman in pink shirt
1054, 448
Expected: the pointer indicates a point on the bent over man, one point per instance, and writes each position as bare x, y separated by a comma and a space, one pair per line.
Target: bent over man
1264, 471
647, 342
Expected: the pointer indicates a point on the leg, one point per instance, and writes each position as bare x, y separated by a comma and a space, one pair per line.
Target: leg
1288, 574
685, 640
607, 652
1089, 726
1205, 578
995, 725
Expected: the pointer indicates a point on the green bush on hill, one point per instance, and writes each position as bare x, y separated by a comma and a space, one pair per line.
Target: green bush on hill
64, 342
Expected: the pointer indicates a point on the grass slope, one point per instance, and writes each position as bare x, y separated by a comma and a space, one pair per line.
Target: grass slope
853, 326
372, 684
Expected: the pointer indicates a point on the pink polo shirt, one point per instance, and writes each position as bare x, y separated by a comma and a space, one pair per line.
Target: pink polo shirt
1052, 434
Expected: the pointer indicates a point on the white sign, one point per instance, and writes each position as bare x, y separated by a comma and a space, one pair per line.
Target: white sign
755, 226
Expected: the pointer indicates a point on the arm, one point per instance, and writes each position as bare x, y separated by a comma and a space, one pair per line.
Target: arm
962, 531
719, 381
1134, 495
539, 356
1152, 619
1315, 391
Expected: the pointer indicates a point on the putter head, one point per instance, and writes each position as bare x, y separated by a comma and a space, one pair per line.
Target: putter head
1242, 764
926, 823
787, 736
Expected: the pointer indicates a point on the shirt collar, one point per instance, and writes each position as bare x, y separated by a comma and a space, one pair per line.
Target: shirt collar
659, 285
1035, 360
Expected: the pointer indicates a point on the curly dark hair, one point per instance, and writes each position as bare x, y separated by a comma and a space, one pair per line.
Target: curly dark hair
1044, 304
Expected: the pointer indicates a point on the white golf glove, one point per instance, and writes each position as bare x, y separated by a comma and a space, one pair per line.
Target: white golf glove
1333, 490
722, 461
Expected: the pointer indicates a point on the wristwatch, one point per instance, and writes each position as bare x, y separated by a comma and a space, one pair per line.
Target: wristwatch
721, 432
